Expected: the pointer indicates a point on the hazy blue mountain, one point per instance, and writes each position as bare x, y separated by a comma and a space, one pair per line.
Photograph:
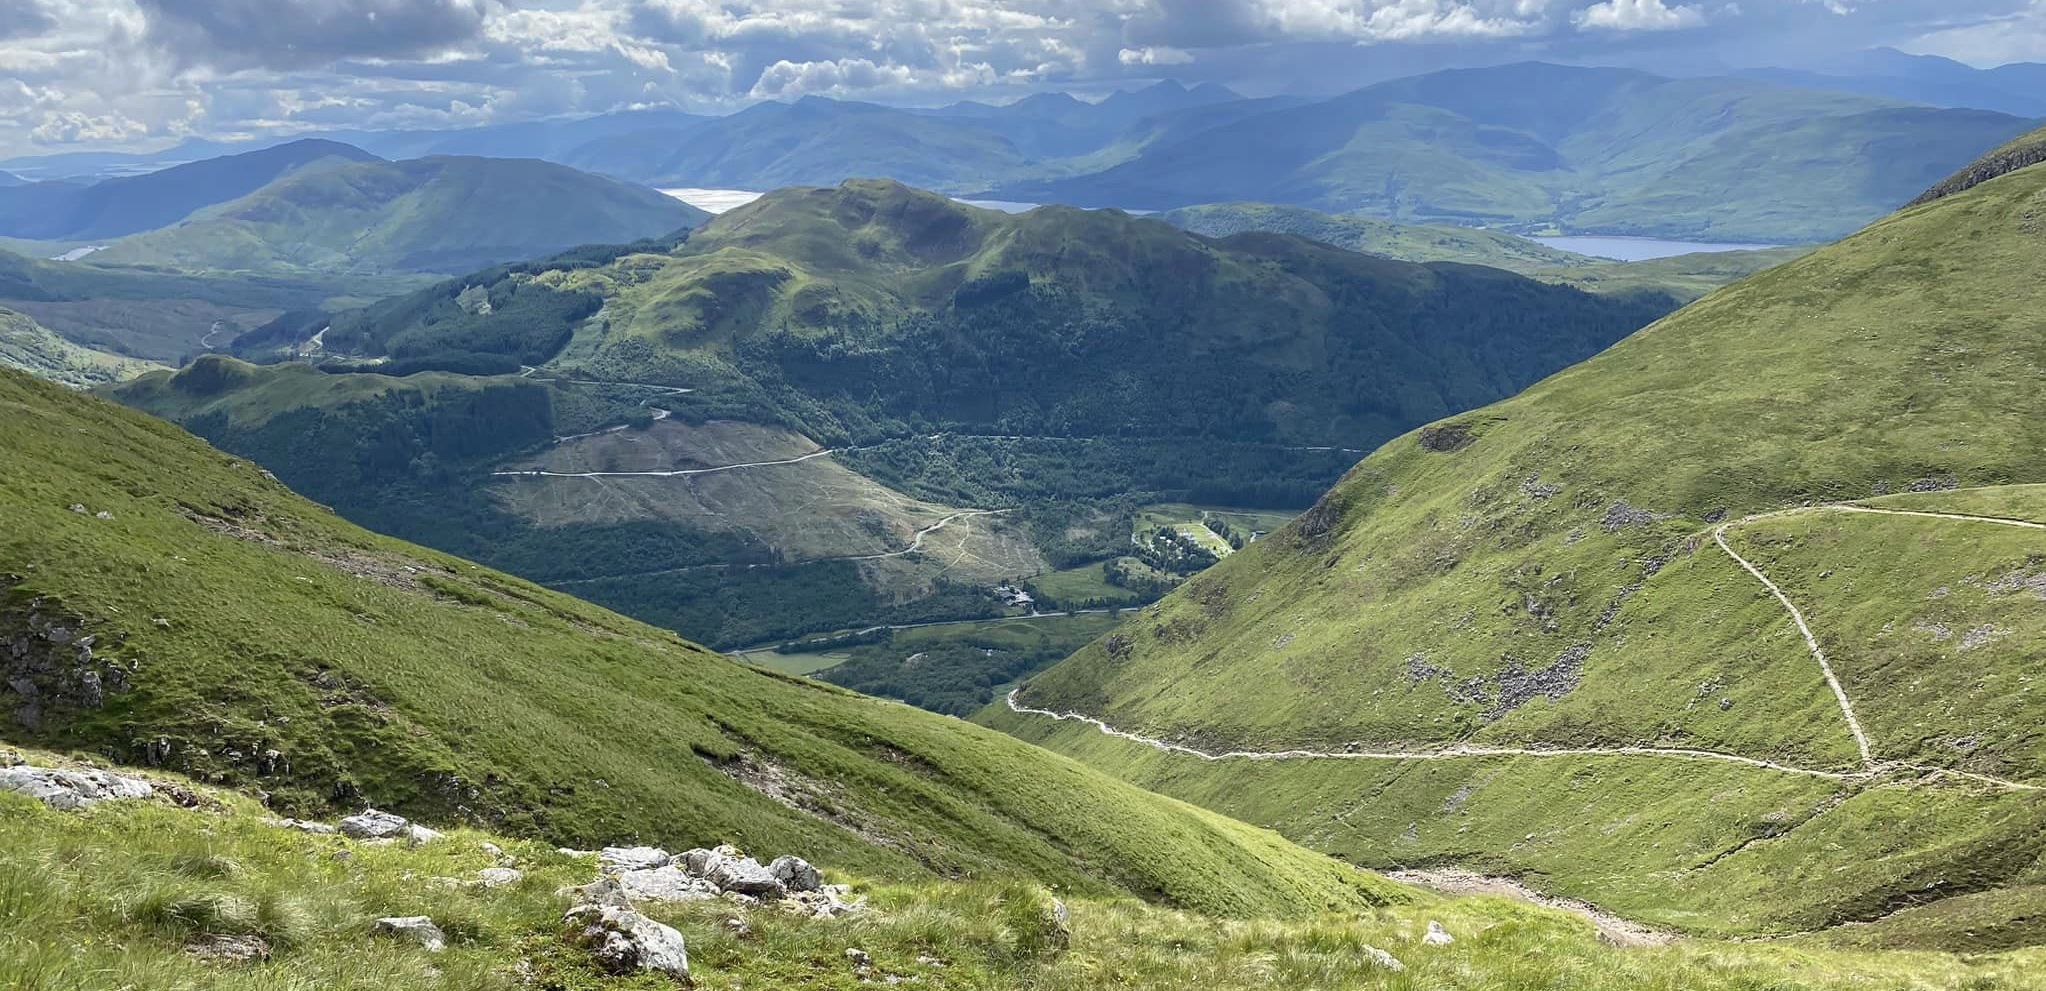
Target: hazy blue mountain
2018, 88
114, 207
1608, 150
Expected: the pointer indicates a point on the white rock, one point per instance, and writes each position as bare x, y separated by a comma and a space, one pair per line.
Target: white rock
71, 790
305, 826
624, 941
1436, 935
614, 859
498, 877
418, 835
858, 958
373, 824
796, 874
665, 884
417, 928
1384, 959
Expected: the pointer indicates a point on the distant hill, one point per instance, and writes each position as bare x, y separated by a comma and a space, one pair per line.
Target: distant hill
2018, 88
898, 367
1747, 604
114, 207
1605, 150
424, 215
1682, 277
1407, 242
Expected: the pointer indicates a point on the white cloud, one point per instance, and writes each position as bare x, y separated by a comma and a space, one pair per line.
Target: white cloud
1154, 55
1638, 15
839, 77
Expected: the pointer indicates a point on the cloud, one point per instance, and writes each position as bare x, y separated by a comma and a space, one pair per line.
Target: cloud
1638, 15
1154, 55
834, 78
79, 72
22, 18
294, 33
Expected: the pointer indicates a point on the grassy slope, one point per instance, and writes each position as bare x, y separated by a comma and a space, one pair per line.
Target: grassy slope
29, 347
432, 214
457, 693
112, 896
1572, 527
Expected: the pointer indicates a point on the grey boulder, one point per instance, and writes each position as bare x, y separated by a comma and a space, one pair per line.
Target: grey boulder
374, 824
796, 874
614, 859
623, 941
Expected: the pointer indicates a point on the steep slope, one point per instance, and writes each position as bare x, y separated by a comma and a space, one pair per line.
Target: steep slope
1604, 150
114, 207
1642, 615
881, 403
172, 606
29, 347
163, 316
425, 215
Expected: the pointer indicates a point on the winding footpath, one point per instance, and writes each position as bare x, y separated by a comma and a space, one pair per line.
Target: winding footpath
1871, 767
670, 473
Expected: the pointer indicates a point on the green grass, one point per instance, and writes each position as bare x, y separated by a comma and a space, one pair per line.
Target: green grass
1085, 583
389, 674
110, 898
1566, 533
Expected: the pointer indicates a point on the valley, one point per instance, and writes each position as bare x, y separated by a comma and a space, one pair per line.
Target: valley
1780, 665
1457, 523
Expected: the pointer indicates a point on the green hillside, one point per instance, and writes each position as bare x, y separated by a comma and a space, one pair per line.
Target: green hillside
163, 315
1582, 568
425, 215
29, 347
875, 401
1682, 277
242, 635
1596, 150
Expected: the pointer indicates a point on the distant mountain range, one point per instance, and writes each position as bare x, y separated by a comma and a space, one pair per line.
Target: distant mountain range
1531, 145
1607, 150
2018, 88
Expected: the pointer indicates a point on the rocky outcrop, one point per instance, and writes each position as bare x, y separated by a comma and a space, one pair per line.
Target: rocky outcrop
49, 662
796, 874
614, 859
71, 790
665, 884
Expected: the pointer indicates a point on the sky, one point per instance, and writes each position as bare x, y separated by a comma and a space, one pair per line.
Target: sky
85, 74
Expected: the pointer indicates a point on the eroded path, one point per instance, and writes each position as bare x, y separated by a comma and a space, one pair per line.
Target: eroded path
1871, 767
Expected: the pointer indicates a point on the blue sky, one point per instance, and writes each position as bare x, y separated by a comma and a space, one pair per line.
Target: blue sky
80, 74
